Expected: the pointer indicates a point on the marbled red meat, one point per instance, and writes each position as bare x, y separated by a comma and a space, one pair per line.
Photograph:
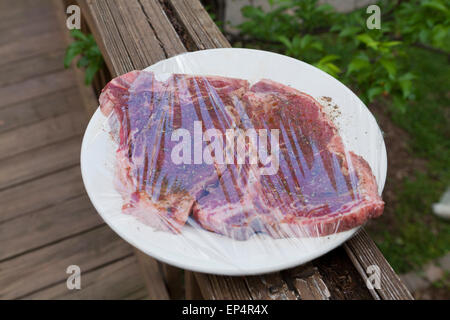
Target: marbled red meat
319, 188
143, 113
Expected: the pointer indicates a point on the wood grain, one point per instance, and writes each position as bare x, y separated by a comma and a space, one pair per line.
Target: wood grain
364, 253
215, 287
31, 28
17, 18
173, 277
18, 13
154, 282
198, 24
46, 220
165, 33
42, 43
269, 287
34, 66
308, 282
33, 271
38, 109
35, 87
42, 133
125, 35
191, 288
42, 227
340, 276
39, 162
118, 280
41, 193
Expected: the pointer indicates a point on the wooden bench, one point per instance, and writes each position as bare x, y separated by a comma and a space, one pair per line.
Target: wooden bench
133, 34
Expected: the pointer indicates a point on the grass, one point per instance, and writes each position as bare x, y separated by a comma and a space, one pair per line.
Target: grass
419, 236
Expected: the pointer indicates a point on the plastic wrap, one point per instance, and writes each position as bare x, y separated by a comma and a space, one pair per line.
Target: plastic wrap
221, 174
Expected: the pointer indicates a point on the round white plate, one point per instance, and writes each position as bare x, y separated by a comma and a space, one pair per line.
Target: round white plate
203, 251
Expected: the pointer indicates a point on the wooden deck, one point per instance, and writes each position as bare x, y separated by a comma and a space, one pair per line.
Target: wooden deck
133, 34
46, 220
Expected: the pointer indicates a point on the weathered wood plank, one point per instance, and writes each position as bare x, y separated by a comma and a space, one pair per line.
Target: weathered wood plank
40, 193
39, 162
47, 62
31, 272
223, 287
41, 133
154, 282
18, 13
118, 280
191, 288
308, 283
340, 276
46, 220
365, 254
27, 30
198, 24
38, 228
22, 6
42, 43
36, 87
173, 277
168, 38
125, 35
41, 108
269, 287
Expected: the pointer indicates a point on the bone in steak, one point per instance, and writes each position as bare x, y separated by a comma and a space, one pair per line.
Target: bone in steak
319, 188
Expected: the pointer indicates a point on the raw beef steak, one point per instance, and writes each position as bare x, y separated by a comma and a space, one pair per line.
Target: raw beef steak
144, 114
319, 189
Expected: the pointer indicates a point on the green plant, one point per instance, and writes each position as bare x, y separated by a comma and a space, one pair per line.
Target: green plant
426, 22
375, 63
90, 57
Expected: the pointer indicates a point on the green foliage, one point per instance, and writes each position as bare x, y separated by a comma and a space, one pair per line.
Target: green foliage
267, 26
426, 21
90, 57
375, 63
419, 235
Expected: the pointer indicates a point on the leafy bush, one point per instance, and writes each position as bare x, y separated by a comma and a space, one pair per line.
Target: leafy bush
85, 47
373, 62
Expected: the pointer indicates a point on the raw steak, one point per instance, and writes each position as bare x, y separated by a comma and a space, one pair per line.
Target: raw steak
319, 189
144, 113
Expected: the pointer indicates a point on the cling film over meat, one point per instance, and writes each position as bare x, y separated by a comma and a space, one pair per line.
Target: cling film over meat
222, 155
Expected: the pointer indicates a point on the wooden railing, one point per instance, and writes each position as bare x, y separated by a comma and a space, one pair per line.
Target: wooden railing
133, 34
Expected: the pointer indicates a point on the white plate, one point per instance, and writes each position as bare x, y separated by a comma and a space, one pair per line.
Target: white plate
203, 251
